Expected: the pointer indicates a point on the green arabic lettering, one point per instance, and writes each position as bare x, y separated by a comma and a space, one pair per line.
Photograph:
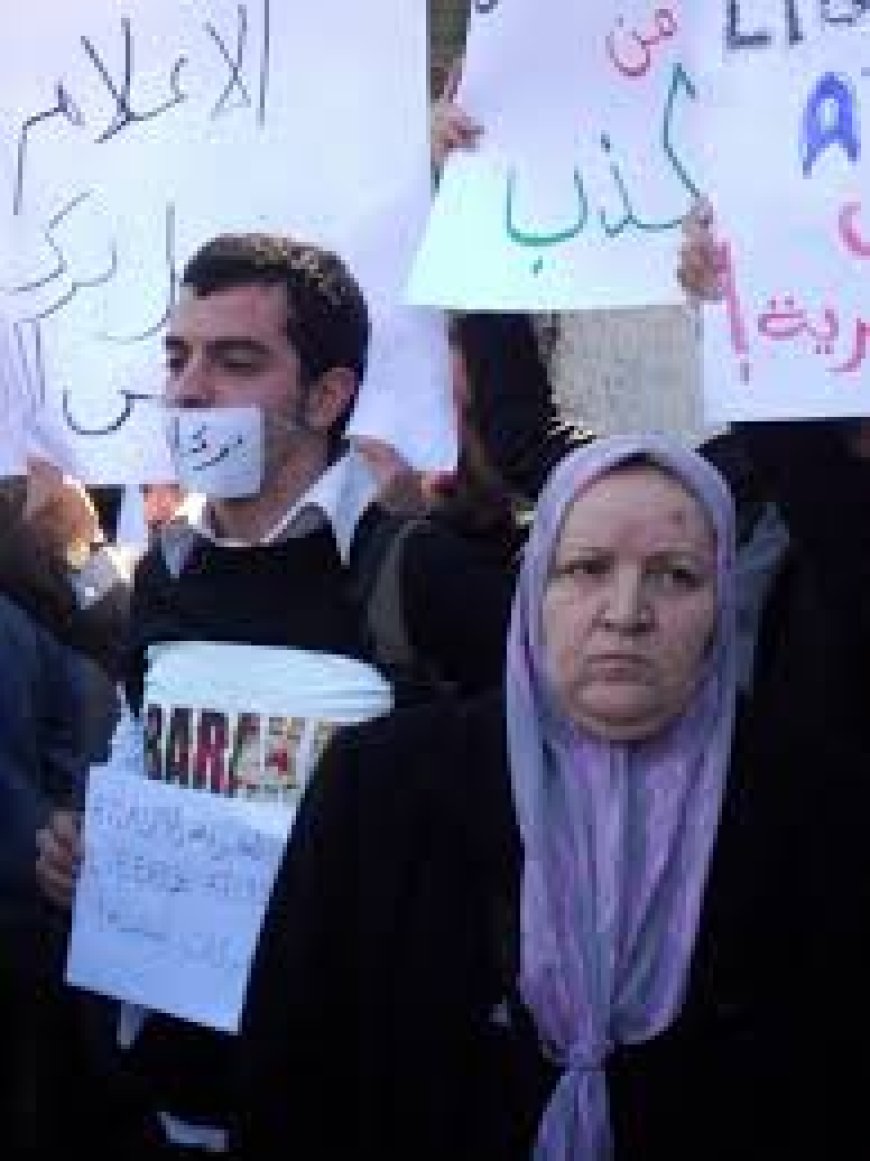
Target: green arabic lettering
534, 239
680, 79
628, 217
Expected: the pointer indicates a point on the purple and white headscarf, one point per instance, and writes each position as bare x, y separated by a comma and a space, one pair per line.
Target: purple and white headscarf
617, 836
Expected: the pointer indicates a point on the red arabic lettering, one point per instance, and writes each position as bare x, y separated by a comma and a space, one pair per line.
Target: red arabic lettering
636, 61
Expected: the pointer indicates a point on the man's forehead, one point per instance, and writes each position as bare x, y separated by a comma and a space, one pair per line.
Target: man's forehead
249, 309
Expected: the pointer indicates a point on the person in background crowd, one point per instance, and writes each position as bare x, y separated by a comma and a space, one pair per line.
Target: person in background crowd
55, 560
510, 430
510, 436
162, 502
505, 398
501, 386
46, 715
57, 709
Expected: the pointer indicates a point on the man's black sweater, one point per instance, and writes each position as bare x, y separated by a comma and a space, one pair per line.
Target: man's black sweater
298, 593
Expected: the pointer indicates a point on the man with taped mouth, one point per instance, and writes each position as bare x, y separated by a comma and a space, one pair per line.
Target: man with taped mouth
280, 544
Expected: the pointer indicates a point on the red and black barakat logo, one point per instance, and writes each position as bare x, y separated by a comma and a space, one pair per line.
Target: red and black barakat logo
248, 754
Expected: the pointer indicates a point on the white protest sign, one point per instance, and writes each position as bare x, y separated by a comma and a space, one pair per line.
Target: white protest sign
129, 137
785, 104
575, 194
171, 896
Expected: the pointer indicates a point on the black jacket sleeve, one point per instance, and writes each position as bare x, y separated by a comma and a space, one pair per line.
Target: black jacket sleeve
365, 1030
298, 1033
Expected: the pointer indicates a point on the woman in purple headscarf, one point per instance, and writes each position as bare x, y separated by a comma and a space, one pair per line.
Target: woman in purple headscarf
484, 938
620, 693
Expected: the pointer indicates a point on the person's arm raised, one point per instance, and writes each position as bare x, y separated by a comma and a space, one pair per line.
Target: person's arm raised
451, 127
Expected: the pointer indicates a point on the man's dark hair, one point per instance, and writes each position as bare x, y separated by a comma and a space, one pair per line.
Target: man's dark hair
327, 317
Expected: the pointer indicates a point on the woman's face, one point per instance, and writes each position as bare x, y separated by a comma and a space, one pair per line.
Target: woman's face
630, 604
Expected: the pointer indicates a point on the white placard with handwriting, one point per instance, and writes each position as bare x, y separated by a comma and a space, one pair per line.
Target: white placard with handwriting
574, 196
128, 136
172, 894
784, 141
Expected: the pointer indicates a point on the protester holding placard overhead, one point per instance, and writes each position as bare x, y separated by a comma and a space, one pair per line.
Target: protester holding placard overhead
510, 430
510, 435
272, 554
507, 395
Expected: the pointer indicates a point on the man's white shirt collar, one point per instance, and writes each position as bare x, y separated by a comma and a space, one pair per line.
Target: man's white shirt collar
339, 498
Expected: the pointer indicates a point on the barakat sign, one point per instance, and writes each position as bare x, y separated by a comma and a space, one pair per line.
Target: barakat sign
248, 721
248, 754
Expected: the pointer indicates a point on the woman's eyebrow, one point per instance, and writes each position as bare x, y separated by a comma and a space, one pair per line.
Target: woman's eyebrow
701, 559
575, 553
